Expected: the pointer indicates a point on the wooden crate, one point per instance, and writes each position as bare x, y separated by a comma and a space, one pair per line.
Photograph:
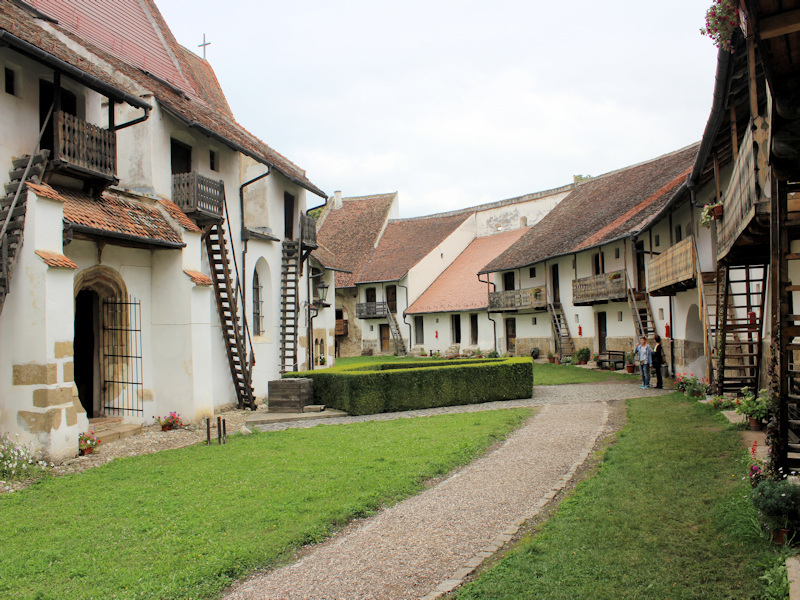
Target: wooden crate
290, 395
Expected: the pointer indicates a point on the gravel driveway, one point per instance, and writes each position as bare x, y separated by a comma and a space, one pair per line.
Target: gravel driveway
424, 546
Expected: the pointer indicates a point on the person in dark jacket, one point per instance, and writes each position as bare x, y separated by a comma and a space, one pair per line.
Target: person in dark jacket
658, 361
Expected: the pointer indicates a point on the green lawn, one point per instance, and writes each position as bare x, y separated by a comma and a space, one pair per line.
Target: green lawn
543, 373
185, 523
665, 517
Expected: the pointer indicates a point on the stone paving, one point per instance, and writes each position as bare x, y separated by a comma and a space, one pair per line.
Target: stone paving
425, 546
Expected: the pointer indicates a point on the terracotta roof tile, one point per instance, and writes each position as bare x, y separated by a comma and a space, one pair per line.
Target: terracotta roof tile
407, 241
326, 258
207, 83
600, 210
177, 214
42, 189
53, 259
351, 232
185, 101
198, 277
117, 214
458, 288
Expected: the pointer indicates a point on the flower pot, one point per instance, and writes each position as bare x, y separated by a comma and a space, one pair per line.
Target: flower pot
583, 362
780, 536
85, 451
166, 427
558, 360
717, 211
551, 359
755, 424
630, 368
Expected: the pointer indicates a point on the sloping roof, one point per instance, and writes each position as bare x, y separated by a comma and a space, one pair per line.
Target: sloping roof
182, 100
351, 232
112, 213
601, 210
207, 83
54, 259
405, 242
458, 288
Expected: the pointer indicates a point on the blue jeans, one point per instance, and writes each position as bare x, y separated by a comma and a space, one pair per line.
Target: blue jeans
645, 369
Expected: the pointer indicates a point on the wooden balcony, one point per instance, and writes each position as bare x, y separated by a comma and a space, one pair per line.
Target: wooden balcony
674, 270
84, 150
341, 327
605, 287
530, 298
308, 231
197, 195
372, 310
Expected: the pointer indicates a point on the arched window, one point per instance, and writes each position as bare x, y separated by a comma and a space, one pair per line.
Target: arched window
258, 305
261, 299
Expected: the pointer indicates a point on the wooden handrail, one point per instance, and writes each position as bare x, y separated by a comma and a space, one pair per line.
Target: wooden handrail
599, 288
85, 145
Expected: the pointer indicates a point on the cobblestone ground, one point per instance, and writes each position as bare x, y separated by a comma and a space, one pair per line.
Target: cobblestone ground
426, 545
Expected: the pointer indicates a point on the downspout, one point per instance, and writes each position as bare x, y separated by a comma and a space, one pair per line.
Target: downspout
309, 296
671, 339
407, 324
489, 314
245, 237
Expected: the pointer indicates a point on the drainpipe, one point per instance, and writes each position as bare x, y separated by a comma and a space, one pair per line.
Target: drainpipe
404, 313
245, 237
488, 282
672, 338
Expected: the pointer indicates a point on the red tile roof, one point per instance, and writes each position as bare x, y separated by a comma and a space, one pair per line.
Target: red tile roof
458, 288
600, 210
184, 101
351, 232
407, 241
327, 258
53, 259
207, 83
198, 277
176, 213
113, 213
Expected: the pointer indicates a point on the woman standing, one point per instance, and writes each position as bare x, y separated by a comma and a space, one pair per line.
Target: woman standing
658, 361
644, 356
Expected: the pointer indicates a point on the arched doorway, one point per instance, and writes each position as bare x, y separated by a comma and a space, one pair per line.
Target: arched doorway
86, 348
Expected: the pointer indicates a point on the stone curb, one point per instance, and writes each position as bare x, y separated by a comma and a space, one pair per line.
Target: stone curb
457, 578
793, 572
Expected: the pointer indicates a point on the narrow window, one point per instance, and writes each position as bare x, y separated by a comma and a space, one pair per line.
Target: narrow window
213, 160
473, 329
616, 252
598, 266
258, 324
419, 330
180, 157
658, 240
455, 326
619, 316
678, 234
532, 272
11, 82
370, 294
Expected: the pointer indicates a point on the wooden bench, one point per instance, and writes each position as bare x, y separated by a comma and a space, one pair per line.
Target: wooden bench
612, 358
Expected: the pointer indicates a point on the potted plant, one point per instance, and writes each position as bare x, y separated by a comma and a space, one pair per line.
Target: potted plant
582, 356
629, 366
87, 442
710, 212
171, 421
753, 407
777, 502
550, 357
537, 292
722, 19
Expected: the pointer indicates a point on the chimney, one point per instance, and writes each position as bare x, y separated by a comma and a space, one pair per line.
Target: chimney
337, 199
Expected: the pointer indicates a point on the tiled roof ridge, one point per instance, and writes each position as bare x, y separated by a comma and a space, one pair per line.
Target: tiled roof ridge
369, 197
466, 212
208, 71
639, 164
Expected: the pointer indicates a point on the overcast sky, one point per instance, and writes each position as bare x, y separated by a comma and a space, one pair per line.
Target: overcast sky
456, 103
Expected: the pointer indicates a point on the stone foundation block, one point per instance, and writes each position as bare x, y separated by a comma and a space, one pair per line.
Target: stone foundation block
64, 350
47, 397
40, 422
35, 374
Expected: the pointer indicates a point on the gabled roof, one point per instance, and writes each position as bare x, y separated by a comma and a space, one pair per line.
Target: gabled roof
183, 99
458, 288
208, 86
351, 232
601, 210
407, 241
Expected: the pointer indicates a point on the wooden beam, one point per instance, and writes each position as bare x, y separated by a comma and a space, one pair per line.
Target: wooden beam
716, 176
780, 24
753, 82
734, 132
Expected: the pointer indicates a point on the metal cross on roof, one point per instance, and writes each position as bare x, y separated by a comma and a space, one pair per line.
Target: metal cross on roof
203, 46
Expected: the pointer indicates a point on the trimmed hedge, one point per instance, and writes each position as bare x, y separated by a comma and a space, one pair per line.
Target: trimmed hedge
390, 387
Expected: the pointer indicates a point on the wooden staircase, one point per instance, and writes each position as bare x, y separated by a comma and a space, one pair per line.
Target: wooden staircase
740, 314
639, 303
12, 214
394, 328
233, 331
291, 268
564, 345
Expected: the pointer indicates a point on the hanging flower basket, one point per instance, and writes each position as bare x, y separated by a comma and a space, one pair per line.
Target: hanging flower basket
722, 20
717, 209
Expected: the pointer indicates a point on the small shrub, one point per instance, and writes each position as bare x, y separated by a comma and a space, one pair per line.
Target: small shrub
691, 385
753, 406
778, 503
172, 420
17, 462
87, 440
582, 354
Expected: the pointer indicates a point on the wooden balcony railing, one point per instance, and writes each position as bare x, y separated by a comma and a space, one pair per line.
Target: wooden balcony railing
308, 230
194, 193
372, 310
740, 198
604, 287
341, 327
88, 147
673, 270
518, 299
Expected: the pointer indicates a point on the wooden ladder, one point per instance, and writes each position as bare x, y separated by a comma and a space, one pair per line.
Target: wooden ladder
232, 330
394, 327
639, 303
564, 345
291, 267
740, 316
12, 214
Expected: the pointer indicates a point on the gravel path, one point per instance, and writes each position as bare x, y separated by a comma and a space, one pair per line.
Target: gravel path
424, 546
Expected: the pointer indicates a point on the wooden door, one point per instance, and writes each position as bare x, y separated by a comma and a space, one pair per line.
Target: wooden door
385, 338
641, 284
602, 331
554, 284
511, 335
391, 298
180, 156
288, 216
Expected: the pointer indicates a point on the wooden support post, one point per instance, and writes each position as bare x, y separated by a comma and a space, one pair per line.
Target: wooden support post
716, 177
224, 432
734, 132
751, 66
778, 281
208, 432
219, 430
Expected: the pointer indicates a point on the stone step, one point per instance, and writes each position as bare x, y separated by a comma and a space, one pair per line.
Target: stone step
108, 429
269, 417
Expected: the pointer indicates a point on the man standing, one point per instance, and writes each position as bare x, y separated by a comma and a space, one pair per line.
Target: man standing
644, 356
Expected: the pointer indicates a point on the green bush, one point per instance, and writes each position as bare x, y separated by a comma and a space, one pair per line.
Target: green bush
390, 387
